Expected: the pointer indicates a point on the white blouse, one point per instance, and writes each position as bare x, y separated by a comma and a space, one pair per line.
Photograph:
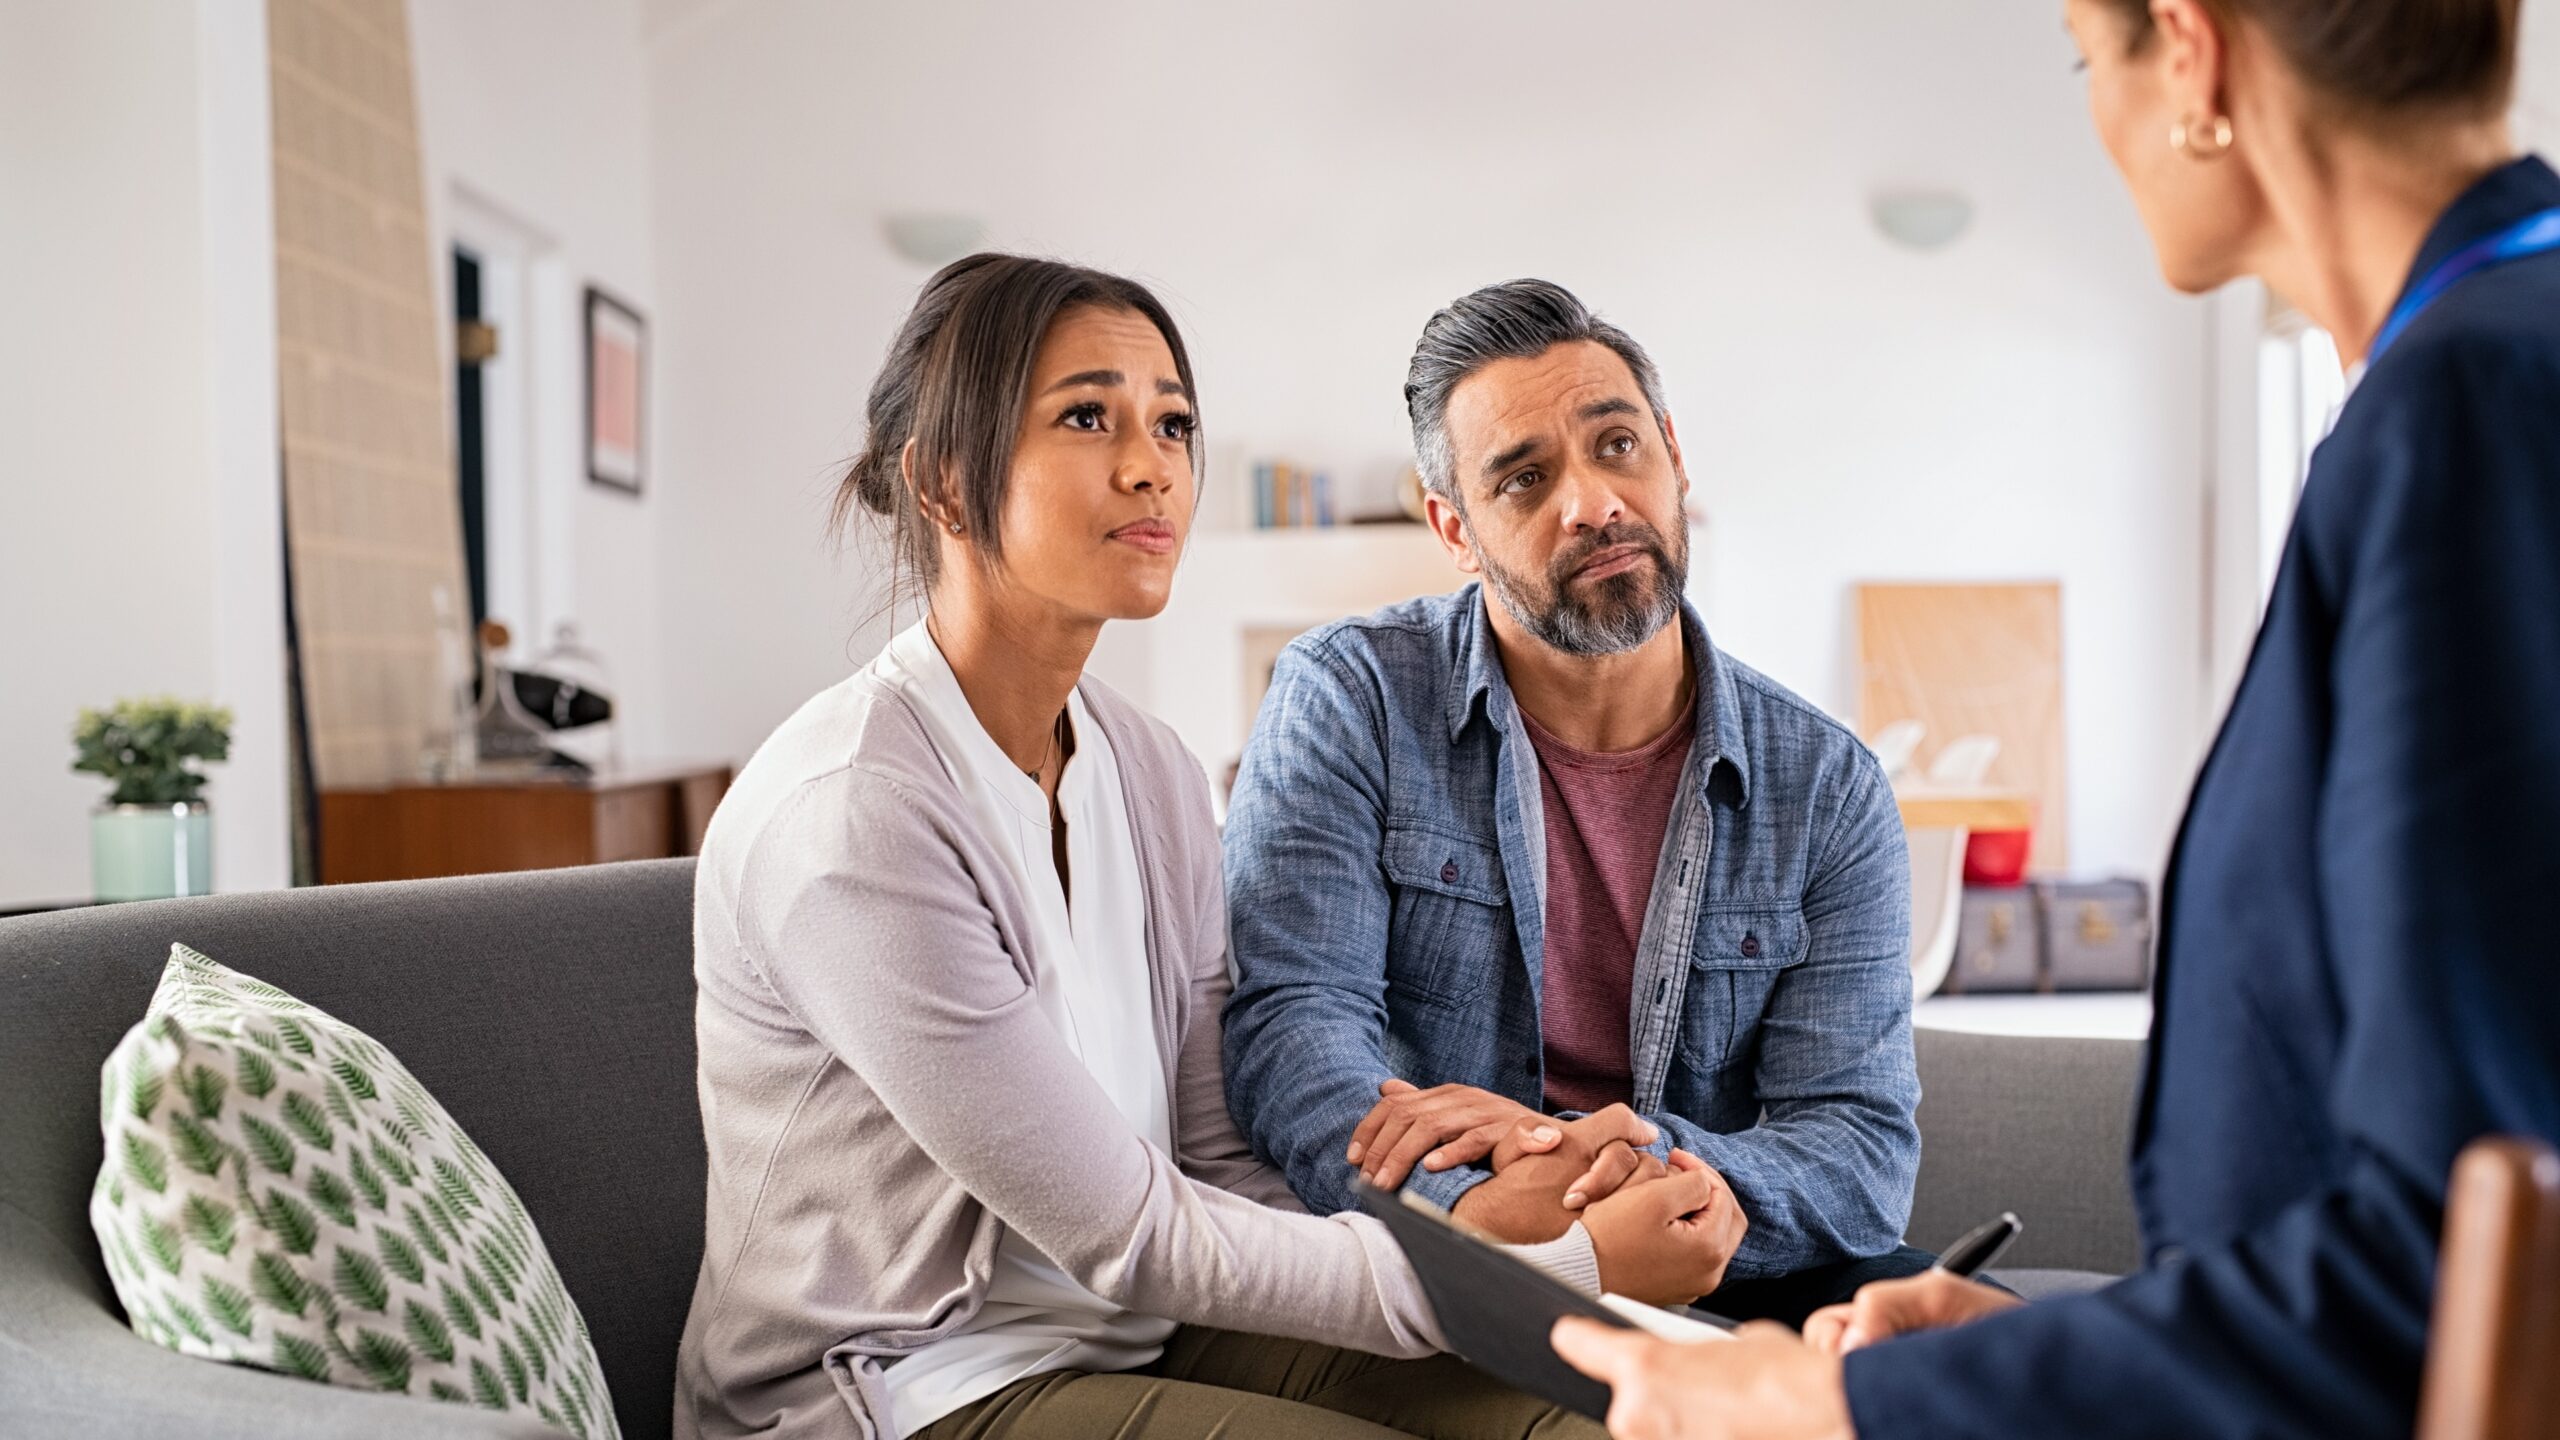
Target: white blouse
1089, 958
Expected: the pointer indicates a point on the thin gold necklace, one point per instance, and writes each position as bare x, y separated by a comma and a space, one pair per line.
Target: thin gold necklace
1051, 753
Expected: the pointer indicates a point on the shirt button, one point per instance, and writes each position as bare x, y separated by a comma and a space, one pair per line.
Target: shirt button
1449, 873
1750, 947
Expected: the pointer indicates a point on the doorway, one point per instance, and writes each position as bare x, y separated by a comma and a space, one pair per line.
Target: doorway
514, 416
474, 344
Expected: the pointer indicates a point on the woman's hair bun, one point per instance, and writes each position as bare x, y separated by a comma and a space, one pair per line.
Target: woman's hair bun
874, 478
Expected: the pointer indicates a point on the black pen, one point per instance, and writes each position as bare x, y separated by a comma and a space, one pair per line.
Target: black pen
1979, 1247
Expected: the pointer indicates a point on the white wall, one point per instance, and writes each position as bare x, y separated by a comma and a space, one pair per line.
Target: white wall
2538, 78
138, 494
2246, 525
538, 115
1306, 183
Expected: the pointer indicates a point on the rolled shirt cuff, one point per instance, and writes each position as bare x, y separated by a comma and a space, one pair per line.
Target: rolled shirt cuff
1443, 1187
1661, 1147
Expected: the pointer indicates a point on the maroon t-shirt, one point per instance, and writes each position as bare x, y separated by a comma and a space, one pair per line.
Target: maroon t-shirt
1605, 818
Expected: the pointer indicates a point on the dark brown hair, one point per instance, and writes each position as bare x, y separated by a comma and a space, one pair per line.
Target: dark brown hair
954, 382
2381, 56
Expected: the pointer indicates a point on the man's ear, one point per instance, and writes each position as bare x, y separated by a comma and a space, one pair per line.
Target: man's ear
1679, 467
1450, 526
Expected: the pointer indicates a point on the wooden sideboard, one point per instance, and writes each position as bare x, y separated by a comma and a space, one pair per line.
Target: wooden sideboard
539, 822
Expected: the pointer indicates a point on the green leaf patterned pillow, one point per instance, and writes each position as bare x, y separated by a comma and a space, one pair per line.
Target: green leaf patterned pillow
280, 1192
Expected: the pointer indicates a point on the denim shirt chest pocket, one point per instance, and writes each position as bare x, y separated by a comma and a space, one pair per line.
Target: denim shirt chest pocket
1740, 952
1450, 914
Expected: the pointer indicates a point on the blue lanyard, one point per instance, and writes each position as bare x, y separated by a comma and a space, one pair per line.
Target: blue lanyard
2534, 235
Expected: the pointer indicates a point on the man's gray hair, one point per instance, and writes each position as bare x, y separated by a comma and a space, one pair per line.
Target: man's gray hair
1515, 320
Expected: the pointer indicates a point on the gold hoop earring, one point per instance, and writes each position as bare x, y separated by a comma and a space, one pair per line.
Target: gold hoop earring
2210, 141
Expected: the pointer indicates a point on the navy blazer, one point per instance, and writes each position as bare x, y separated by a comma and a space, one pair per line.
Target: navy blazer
2360, 957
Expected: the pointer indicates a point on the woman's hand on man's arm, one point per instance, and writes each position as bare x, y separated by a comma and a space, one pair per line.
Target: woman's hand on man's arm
1540, 1162
1667, 1238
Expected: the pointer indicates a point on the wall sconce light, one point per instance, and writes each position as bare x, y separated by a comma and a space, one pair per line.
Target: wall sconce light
1922, 219
934, 240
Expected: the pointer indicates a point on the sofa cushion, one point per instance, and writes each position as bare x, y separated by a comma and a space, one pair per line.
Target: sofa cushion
2035, 1124
279, 1191
2052, 1284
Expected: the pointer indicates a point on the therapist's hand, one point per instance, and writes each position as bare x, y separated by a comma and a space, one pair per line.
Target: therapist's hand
1764, 1384
1931, 1300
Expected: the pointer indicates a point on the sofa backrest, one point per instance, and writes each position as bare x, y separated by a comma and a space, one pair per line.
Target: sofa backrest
551, 1013
2040, 1125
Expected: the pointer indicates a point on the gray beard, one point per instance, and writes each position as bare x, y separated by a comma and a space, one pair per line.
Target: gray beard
1623, 612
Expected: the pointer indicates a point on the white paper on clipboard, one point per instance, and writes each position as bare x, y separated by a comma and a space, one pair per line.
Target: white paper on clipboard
1662, 1324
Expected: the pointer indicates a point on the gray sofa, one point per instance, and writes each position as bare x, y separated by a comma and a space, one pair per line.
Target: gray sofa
552, 1013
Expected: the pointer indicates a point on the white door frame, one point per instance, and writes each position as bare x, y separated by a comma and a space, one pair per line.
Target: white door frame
528, 527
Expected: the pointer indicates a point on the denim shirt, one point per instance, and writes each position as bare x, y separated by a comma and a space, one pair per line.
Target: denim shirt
1386, 871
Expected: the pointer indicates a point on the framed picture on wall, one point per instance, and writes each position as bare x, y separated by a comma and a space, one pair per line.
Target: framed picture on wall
617, 371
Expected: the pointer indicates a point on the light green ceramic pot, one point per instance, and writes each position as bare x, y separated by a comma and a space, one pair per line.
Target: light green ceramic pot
151, 852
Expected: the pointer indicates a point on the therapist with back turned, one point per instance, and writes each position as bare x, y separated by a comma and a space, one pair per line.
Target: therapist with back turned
2360, 958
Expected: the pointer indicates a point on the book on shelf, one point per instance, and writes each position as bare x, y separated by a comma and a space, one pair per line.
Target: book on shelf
1290, 497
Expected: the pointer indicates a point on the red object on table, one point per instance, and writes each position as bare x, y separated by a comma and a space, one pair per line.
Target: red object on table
1997, 857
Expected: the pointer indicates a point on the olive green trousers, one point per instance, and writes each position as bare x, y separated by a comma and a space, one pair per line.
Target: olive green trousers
1220, 1385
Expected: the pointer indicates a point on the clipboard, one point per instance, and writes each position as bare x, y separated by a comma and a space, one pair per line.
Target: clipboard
1495, 1309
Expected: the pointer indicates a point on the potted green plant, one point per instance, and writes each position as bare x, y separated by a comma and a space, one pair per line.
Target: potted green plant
153, 836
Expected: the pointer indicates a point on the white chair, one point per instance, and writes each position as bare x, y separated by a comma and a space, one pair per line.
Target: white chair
1893, 746
1937, 868
1964, 762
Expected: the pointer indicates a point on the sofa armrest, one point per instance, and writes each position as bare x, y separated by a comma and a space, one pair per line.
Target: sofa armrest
69, 1366
2036, 1124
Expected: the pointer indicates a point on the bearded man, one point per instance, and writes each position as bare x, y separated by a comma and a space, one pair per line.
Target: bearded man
1535, 893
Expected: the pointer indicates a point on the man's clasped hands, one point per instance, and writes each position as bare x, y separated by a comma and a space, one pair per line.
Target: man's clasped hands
1663, 1230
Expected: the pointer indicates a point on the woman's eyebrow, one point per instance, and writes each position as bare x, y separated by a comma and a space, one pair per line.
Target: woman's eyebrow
1088, 377
1109, 378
